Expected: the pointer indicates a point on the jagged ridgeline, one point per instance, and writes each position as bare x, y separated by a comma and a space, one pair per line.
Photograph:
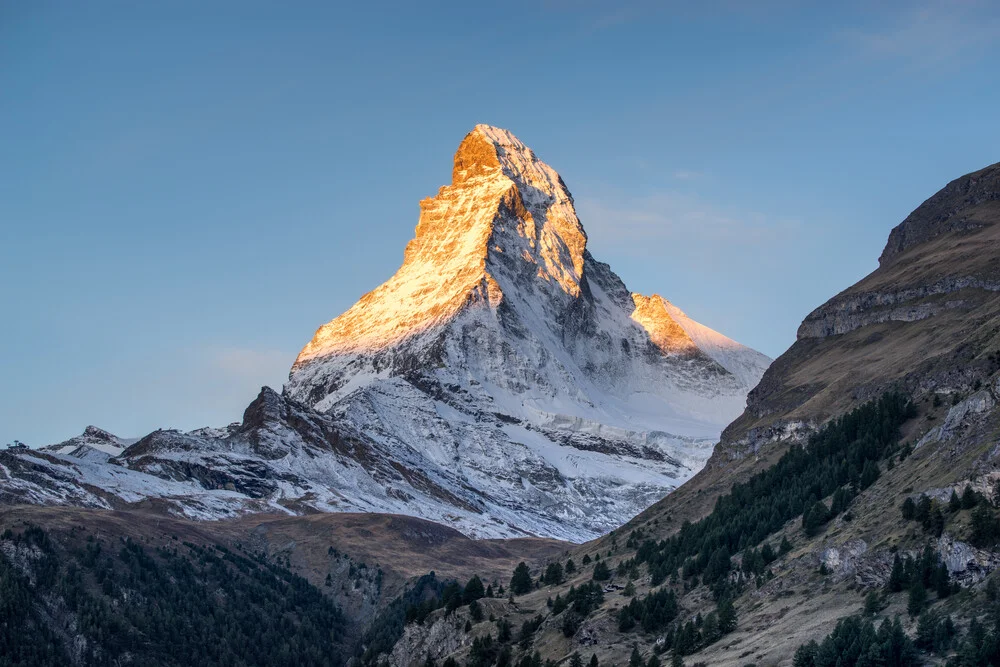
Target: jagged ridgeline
112, 601
503, 382
840, 461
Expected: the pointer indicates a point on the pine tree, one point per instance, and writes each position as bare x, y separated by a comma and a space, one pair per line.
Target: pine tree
805, 655
969, 498
873, 603
727, 616
896, 578
869, 474
575, 660
909, 509
475, 611
520, 582
553, 574
601, 572
814, 518
635, 660
503, 631
942, 581
473, 590
936, 521
954, 503
594, 662
917, 599
985, 528
923, 513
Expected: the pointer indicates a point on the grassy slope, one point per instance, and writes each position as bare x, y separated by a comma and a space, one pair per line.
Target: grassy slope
818, 378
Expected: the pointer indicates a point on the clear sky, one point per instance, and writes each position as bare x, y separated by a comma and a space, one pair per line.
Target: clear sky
188, 189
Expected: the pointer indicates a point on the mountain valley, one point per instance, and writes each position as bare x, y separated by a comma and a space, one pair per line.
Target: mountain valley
476, 464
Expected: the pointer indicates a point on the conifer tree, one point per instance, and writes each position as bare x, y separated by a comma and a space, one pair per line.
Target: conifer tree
954, 503
908, 509
896, 578
969, 498
727, 616
520, 582
473, 590
917, 599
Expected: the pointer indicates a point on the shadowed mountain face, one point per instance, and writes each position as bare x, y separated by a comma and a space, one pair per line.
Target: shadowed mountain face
96, 587
503, 382
926, 324
924, 320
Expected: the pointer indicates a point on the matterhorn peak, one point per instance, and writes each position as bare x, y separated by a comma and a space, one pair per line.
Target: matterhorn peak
502, 381
502, 360
504, 206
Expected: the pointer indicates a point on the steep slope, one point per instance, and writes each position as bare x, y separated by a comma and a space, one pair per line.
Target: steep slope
503, 352
56, 563
502, 382
925, 324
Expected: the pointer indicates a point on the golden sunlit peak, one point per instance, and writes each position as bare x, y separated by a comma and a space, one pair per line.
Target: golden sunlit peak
666, 333
503, 202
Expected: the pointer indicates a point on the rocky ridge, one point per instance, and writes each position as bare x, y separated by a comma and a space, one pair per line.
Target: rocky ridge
926, 323
503, 382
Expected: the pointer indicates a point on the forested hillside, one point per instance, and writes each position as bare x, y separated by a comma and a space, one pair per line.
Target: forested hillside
113, 601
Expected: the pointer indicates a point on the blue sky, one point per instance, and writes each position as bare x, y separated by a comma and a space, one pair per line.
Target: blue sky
188, 189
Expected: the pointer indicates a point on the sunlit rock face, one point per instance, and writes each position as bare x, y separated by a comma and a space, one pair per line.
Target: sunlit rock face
503, 382
503, 357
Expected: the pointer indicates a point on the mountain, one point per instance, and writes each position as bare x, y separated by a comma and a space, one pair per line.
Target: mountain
502, 382
502, 354
83, 586
93, 443
889, 394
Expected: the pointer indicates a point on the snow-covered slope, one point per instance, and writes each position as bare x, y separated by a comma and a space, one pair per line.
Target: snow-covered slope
94, 443
503, 381
504, 352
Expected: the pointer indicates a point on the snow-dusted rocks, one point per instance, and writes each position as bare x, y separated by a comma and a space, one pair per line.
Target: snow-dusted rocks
503, 382
501, 352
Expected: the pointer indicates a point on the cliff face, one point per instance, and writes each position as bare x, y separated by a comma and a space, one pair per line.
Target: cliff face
923, 320
503, 352
964, 205
502, 381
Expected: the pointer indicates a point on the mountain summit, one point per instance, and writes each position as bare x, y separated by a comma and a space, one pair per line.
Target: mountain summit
502, 382
505, 354
505, 208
